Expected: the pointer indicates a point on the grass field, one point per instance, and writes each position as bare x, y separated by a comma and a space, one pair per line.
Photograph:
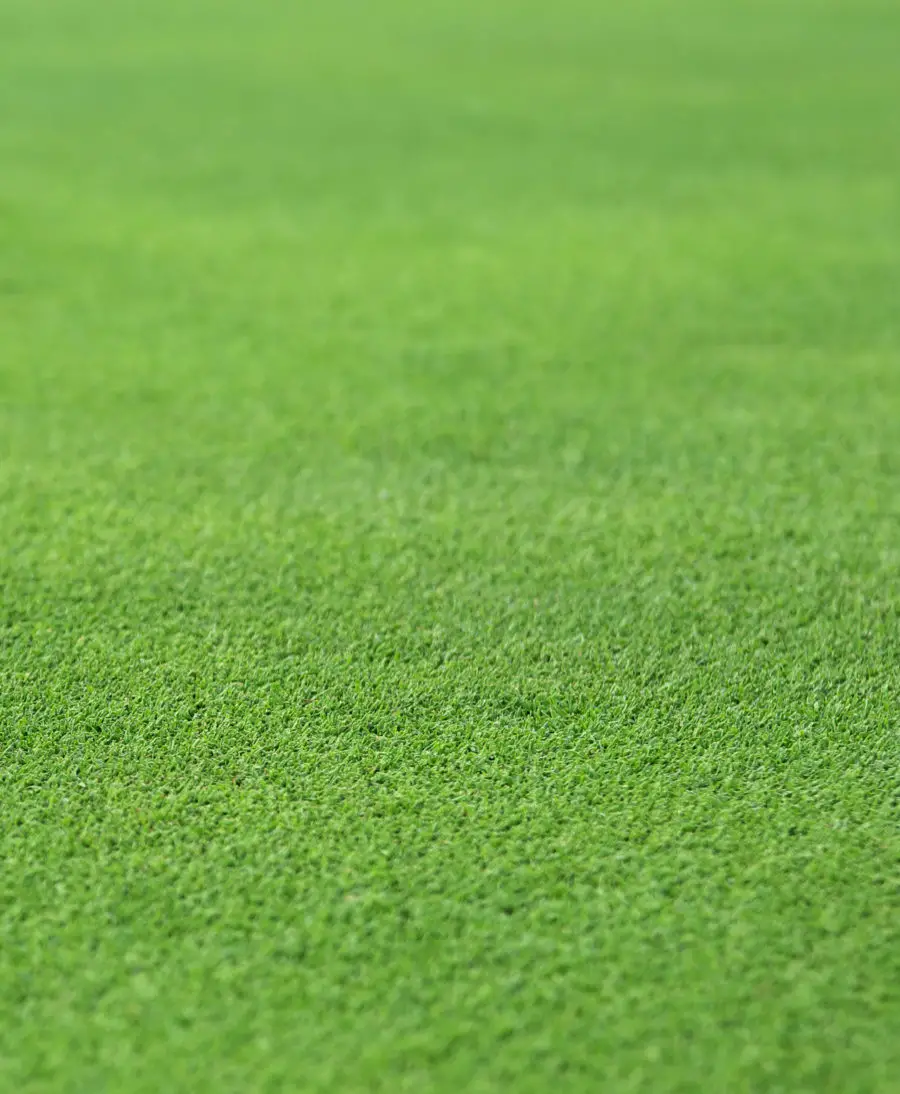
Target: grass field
450, 571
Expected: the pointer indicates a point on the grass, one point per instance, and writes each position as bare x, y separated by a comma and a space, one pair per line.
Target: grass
449, 585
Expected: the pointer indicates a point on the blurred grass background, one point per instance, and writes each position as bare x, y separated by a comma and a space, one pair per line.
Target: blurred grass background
449, 576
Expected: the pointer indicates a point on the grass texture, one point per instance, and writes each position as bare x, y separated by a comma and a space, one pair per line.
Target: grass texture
450, 513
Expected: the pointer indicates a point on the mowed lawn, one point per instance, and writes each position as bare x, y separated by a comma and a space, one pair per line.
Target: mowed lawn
449, 546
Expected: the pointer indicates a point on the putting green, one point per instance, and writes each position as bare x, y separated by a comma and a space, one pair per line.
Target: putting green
449, 541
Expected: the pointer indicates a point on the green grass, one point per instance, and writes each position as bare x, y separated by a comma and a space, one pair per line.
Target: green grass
449, 546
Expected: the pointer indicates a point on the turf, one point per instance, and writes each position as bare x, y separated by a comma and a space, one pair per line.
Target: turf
450, 507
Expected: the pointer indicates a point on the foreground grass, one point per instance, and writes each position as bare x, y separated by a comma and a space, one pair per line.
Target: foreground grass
449, 500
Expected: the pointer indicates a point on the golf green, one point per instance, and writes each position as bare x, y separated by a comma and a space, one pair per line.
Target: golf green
449, 546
